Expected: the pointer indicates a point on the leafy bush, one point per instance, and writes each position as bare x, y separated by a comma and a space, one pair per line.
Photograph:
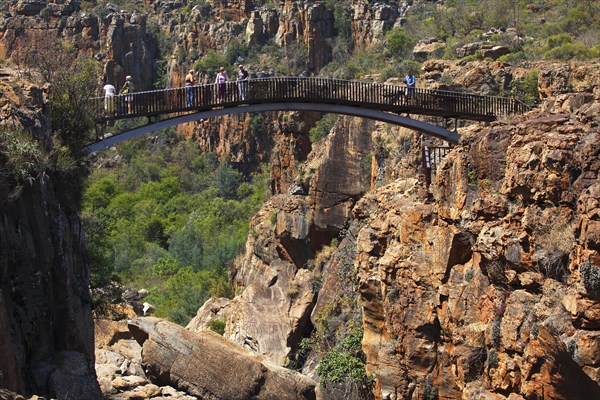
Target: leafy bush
590, 276
182, 294
322, 127
22, 156
341, 18
346, 361
73, 80
337, 365
572, 51
400, 68
356, 65
211, 62
399, 43
235, 51
526, 88
216, 325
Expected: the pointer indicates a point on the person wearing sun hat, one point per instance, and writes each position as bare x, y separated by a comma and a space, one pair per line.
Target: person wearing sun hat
127, 90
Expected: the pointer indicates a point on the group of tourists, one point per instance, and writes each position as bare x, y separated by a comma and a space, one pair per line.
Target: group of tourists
110, 91
220, 82
190, 81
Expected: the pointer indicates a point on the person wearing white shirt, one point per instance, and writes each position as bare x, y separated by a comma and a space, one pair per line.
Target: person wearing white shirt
109, 94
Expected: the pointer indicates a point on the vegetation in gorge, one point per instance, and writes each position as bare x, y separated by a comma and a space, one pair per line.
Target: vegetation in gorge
41, 58
21, 158
535, 23
338, 330
171, 220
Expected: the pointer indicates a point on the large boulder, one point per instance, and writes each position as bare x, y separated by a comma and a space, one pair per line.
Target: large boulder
211, 367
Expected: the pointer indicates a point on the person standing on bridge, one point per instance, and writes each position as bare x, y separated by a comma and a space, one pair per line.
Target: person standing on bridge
411, 84
127, 90
221, 82
109, 98
242, 80
189, 88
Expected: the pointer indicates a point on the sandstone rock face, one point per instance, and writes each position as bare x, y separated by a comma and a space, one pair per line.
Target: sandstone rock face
494, 52
213, 309
46, 335
310, 24
273, 312
487, 288
209, 366
21, 104
248, 142
119, 363
120, 40
427, 49
494, 78
370, 22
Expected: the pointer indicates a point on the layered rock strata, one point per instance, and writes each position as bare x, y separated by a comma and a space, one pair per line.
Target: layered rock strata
488, 290
485, 290
46, 331
194, 362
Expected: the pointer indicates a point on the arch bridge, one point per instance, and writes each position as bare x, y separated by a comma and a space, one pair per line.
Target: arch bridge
379, 101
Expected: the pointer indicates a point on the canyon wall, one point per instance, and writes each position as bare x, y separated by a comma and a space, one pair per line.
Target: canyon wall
487, 288
46, 329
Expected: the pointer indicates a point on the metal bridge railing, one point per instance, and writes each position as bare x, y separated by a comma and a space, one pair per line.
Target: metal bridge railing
380, 96
432, 156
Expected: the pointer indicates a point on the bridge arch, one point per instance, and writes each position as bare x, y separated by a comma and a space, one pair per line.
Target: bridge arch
383, 102
420, 126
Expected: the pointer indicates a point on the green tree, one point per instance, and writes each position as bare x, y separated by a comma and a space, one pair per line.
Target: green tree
151, 227
322, 127
227, 180
399, 43
186, 244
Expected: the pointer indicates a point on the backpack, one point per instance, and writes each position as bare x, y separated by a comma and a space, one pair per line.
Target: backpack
126, 88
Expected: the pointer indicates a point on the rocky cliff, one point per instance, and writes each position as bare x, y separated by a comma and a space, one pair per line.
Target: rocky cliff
119, 40
46, 330
490, 290
487, 290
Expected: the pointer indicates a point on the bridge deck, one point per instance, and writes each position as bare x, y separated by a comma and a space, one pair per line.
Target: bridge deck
382, 97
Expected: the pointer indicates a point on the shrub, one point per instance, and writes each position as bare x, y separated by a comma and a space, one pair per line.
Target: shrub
572, 51
590, 276
337, 365
492, 359
400, 69
430, 392
216, 325
346, 360
211, 62
526, 88
73, 82
516, 57
495, 333
322, 127
235, 51
24, 158
273, 218
340, 17
399, 43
